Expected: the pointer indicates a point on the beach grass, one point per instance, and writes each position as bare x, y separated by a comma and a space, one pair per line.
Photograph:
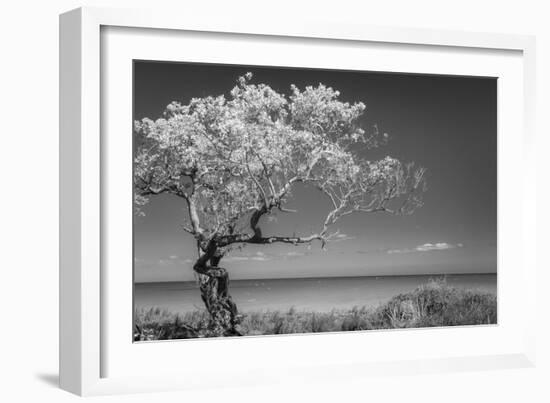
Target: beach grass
433, 304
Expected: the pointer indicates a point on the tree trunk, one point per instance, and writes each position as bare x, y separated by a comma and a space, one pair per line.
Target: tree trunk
214, 289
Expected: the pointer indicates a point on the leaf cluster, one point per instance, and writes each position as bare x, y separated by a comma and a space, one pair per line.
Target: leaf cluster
236, 159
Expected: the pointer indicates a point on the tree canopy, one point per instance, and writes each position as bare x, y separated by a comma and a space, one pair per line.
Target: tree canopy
235, 159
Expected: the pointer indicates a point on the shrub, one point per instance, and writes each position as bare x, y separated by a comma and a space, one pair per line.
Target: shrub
433, 304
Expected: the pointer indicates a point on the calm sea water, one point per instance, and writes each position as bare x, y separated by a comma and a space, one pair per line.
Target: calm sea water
315, 294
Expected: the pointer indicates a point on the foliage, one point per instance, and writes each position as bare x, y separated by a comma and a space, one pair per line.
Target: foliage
433, 304
437, 304
236, 159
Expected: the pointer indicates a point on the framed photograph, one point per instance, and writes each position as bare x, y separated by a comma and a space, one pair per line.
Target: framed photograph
242, 203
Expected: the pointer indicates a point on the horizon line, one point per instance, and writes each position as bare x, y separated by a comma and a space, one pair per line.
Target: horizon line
321, 277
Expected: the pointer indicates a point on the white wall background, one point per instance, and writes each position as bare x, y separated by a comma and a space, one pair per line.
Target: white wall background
29, 197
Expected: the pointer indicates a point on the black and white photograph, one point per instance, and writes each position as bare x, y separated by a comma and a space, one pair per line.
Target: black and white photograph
252, 202
279, 200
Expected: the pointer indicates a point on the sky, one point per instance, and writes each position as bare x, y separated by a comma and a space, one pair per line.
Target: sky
446, 124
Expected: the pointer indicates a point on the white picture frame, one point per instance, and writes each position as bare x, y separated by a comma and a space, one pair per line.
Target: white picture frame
87, 309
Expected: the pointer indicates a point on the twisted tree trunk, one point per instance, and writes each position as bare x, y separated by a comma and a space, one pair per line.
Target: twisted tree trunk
214, 289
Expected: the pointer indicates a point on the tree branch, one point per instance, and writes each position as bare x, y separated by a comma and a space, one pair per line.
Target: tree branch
253, 239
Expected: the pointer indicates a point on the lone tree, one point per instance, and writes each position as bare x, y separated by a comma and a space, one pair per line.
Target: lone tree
235, 160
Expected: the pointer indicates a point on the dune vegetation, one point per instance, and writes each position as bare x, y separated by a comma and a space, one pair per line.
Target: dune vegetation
433, 304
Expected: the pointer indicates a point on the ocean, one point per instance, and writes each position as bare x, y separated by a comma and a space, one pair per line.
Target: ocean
308, 294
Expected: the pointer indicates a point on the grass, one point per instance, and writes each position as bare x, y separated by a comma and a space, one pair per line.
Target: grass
433, 304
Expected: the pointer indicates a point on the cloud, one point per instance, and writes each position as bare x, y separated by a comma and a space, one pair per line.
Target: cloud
427, 247
293, 254
257, 258
263, 257
341, 237
438, 246
172, 260
260, 258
